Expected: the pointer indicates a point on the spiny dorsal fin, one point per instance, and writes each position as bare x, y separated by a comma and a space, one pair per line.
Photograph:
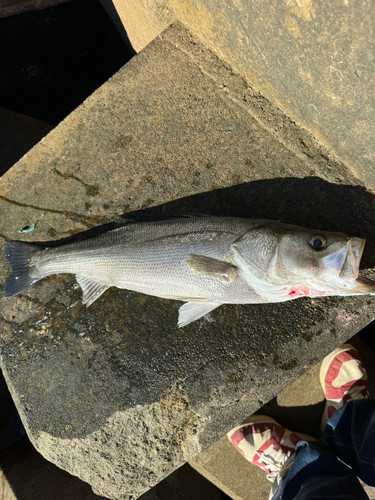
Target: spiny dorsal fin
121, 221
91, 289
225, 271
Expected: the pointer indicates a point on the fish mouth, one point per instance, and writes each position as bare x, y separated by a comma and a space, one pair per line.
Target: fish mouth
350, 268
341, 268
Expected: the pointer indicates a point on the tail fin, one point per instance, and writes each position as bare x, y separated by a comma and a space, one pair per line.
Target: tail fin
18, 255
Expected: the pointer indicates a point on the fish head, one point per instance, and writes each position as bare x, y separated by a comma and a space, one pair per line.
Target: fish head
304, 261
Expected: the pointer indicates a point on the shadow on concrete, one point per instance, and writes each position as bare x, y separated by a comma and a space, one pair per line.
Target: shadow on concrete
305, 419
11, 428
29, 476
309, 202
24, 473
184, 483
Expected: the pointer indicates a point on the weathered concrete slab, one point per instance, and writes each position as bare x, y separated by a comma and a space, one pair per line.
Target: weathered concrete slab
117, 394
314, 59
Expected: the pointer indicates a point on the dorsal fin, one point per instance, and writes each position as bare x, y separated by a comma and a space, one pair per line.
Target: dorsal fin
121, 221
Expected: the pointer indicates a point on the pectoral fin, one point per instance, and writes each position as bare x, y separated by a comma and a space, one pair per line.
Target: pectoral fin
193, 310
225, 271
92, 290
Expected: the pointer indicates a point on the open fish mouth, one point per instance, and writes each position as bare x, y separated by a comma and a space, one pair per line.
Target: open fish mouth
341, 268
344, 263
350, 268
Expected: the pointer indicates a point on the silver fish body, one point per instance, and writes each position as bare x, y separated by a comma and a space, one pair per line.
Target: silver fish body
204, 261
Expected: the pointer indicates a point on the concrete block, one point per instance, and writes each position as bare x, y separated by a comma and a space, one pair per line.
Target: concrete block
313, 59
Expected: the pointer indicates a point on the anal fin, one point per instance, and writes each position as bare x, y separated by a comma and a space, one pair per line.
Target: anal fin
91, 289
194, 310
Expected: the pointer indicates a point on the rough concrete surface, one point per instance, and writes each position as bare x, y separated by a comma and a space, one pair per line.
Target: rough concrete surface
117, 394
299, 408
321, 74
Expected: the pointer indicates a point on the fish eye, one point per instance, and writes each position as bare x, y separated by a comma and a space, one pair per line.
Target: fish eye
317, 242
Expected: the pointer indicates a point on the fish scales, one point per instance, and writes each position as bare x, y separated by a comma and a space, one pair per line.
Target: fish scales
149, 258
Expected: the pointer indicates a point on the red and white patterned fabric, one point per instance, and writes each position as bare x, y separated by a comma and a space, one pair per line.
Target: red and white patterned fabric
343, 378
266, 444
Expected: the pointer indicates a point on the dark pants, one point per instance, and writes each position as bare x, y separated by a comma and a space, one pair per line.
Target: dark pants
316, 472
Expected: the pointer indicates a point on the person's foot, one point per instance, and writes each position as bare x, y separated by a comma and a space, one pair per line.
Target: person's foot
268, 445
343, 378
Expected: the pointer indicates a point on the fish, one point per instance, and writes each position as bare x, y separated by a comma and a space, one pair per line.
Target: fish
203, 261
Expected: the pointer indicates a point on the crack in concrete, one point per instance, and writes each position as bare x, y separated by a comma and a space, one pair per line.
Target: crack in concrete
91, 189
66, 213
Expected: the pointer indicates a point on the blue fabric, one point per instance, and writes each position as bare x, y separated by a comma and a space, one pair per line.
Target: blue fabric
350, 434
316, 472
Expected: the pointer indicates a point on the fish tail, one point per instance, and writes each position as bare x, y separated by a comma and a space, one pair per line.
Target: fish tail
18, 256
